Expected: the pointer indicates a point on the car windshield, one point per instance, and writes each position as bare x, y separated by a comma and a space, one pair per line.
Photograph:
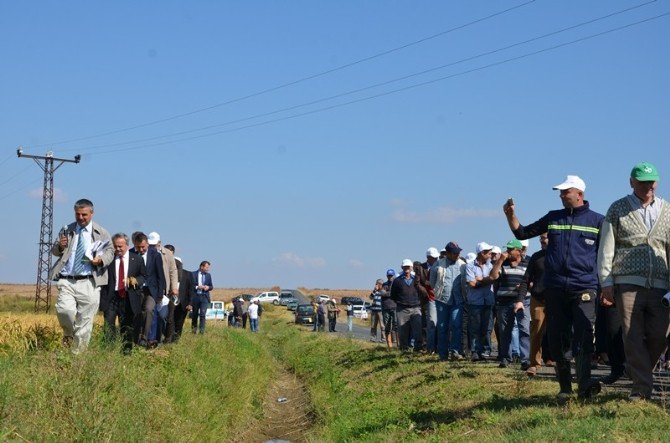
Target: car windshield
305, 309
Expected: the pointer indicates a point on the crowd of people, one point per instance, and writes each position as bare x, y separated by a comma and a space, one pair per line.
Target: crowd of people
594, 291
145, 288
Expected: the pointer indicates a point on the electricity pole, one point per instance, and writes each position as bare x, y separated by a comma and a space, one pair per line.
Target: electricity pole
43, 286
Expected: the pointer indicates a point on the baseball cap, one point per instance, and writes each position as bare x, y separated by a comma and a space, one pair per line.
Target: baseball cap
432, 252
644, 172
571, 181
407, 262
483, 246
514, 244
524, 243
470, 257
390, 272
495, 250
153, 238
453, 248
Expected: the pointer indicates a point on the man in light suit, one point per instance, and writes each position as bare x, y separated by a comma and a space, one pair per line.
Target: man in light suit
123, 296
80, 271
203, 285
154, 284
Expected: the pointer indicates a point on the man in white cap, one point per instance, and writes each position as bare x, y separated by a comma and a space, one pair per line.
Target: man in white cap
571, 280
480, 301
634, 273
429, 310
405, 293
163, 310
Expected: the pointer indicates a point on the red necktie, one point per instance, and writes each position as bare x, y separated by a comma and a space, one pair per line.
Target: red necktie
121, 288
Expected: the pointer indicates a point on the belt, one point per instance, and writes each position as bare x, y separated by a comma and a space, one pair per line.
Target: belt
75, 277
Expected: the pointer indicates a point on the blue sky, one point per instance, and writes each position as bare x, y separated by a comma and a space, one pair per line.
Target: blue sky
333, 198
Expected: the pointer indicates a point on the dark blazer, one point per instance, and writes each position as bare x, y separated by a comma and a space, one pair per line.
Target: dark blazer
186, 288
155, 280
135, 269
207, 281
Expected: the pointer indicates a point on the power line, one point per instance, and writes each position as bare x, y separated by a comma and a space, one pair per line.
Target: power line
376, 85
509, 60
21, 188
294, 82
15, 175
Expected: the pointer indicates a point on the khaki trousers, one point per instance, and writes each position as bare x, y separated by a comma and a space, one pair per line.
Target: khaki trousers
77, 304
537, 327
645, 323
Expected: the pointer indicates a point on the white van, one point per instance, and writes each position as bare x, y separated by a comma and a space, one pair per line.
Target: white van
268, 297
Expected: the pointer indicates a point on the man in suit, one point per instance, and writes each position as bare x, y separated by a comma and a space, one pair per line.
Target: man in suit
84, 250
154, 284
162, 309
183, 303
203, 285
123, 296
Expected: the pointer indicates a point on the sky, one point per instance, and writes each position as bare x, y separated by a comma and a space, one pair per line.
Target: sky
316, 144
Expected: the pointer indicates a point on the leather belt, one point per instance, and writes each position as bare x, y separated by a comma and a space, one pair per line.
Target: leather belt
75, 277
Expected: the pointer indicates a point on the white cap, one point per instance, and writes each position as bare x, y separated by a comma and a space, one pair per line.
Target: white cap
483, 246
153, 238
525, 243
496, 250
572, 181
407, 262
470, 257
178, 259
432, 252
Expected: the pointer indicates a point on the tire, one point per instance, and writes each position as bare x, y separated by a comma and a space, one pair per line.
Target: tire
275, 302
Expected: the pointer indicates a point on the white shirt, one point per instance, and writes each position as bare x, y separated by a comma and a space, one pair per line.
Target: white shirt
126, 257
253, 311
88, 241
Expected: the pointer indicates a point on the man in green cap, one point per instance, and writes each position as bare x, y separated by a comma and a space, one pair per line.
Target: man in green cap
508, 272
633, 269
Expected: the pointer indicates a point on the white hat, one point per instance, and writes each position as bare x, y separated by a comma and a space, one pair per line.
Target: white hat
432, 252
407, 262
572, 181
496, 250
178, 259
525, 243
470, 257
483, 246
153, 238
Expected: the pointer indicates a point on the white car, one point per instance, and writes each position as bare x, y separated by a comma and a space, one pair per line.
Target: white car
268, 297
216, 311
322, 297
360, 312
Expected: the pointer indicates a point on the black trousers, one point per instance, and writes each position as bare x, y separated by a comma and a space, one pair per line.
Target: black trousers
570, 329
180, 314
120, 308
613, 336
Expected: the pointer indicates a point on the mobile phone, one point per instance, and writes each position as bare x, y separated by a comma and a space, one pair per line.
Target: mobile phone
510, 201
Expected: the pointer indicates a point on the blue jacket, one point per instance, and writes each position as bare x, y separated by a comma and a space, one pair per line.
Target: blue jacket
574, 236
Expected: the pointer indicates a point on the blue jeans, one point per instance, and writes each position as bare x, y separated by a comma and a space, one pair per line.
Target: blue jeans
431, 324
515, 339
506, 318
478, 328
449, 321
253, 324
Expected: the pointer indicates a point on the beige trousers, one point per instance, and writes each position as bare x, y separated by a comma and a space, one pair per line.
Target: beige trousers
77, 304
537, 327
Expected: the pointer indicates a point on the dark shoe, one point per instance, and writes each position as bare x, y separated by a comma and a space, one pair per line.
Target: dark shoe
592, 389
475, 357
152, 344
562, 396
635, 397
455, 356
503, 364
525, 365
142, 342
516, 358
611, 378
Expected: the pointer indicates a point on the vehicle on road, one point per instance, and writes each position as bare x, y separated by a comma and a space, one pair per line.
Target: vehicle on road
360, 311
304, 314
285, 298
216, 311
352, 301
322, 297
268, 297
292, 305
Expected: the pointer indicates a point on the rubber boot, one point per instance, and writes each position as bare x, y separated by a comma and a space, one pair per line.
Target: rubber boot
564, 378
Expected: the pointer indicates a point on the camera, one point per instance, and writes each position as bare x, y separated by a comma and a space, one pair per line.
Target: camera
665, 301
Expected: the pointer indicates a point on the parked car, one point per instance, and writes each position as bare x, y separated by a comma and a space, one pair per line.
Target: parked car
304, 314
245, 297
292, 305
285, 298
360, 311
352, 301
322, 297
268, 297
216, 311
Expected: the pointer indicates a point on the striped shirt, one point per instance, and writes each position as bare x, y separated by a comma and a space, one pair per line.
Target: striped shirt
509, 281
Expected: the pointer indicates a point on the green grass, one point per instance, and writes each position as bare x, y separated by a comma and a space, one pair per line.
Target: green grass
213, 387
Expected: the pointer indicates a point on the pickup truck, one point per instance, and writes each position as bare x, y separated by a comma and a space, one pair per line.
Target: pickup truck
216, 311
